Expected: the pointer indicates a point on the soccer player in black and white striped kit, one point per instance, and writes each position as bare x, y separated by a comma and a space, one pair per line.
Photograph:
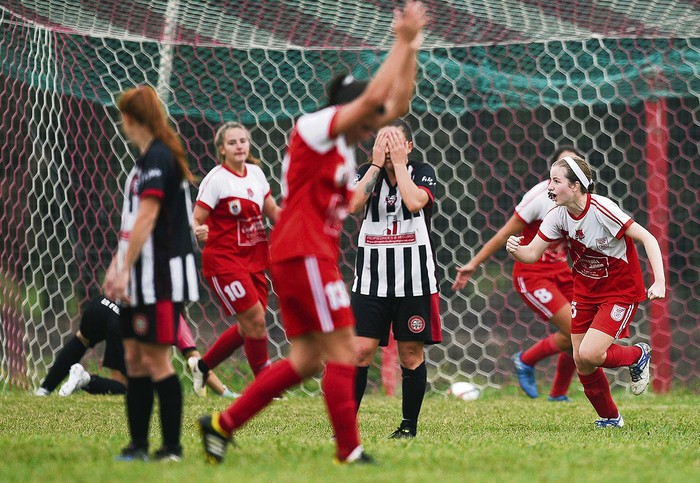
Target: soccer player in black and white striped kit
395, 272
153, 272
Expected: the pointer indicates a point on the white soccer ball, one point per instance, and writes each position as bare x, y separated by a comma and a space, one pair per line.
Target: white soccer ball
466, 391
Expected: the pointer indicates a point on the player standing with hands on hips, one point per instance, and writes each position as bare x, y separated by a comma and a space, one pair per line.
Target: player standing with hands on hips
153, 272
318, 175
395, 274
608, 282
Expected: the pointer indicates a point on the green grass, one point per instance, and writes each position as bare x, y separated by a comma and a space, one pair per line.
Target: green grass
502, 437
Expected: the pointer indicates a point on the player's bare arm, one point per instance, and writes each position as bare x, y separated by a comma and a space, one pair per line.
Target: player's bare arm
388, 94
366, 184
513, 226
199, 227
412, 197
270, 209
527, 253
637, 232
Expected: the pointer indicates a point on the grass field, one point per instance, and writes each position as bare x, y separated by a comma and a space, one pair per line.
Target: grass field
504, 436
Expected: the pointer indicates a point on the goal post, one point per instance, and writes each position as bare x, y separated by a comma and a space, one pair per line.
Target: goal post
500, 86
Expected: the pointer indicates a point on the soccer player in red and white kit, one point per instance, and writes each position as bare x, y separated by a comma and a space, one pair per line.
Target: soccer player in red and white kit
318, 173
545, 286
227, 217
608, 282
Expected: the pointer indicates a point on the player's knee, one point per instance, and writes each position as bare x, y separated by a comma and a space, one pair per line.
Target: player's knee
365, 354
253, 324
589, 357
410, 354
563, 340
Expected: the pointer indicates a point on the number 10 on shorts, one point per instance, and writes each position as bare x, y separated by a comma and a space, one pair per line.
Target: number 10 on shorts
235, 290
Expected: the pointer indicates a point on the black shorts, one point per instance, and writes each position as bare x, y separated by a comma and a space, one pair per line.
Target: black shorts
414, 318
153, 324
100, 318
100, 322
114, 352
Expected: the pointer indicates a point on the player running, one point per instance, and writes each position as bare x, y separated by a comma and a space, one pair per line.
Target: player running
608, 282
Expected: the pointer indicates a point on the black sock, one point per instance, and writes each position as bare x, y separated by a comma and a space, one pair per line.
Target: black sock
139, 405
170, 399
360, 384
203, 367
70, 354
413, 383
102, 385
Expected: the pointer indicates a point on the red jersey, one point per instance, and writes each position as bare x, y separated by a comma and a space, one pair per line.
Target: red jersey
605, 261
532, 210
237, 237
317, 175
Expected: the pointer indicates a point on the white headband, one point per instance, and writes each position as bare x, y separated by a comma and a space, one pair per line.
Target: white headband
577, 171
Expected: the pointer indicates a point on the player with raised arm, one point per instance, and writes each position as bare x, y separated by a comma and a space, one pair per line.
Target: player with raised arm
227, 217
545, 286
153, 272
395, 271
318, 174
608, 282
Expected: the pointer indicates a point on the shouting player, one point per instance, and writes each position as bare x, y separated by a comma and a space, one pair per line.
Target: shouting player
608, 282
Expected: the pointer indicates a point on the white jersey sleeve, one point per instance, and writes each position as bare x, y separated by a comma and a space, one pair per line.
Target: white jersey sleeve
553, 224
315, 129
259, 175
535, 204
209, 189
611, 216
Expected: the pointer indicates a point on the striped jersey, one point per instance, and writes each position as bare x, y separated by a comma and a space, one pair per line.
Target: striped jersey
605, 262
395, 255
237, 237
532, 210
317, 174
165, 269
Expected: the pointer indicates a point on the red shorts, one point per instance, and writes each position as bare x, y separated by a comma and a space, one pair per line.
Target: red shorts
611, 318
312, 296
545, 293
238, 292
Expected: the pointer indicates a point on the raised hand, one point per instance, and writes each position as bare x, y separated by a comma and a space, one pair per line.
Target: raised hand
409, 23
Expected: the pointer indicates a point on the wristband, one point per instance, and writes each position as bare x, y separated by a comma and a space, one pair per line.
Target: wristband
376, 166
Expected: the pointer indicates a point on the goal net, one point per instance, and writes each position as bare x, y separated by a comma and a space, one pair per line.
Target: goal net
501, 85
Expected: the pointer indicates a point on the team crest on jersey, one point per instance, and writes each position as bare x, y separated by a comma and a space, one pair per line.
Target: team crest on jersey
416, 324
140, 324
391, 201
250, 194
579, 234
617, 312
234, 207
602, 243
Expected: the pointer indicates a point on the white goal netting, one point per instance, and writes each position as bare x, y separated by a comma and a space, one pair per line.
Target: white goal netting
501, 85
